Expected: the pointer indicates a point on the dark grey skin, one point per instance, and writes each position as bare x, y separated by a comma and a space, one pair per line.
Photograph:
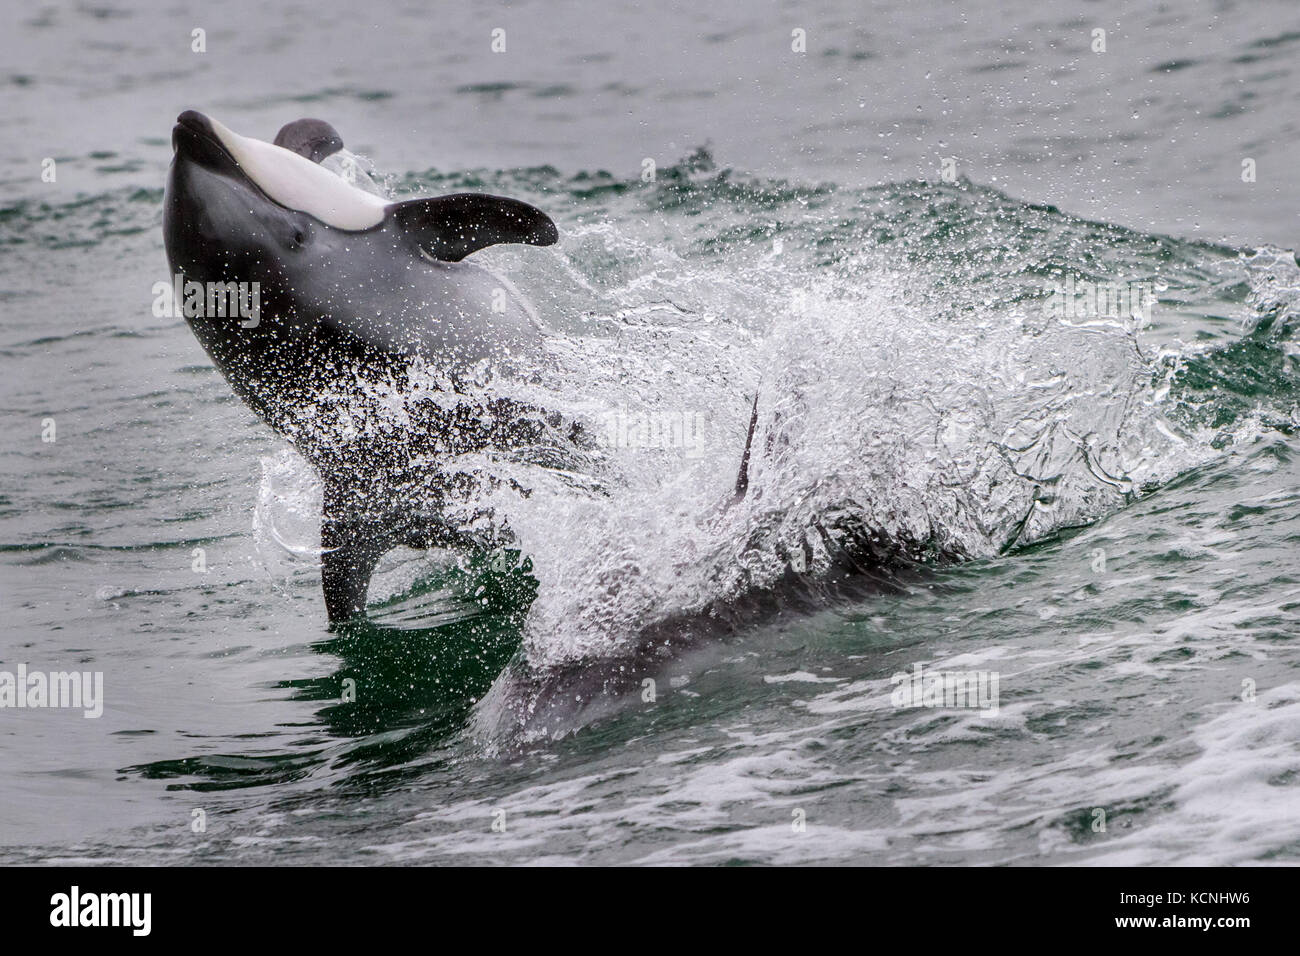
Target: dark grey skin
341, 310
312, 138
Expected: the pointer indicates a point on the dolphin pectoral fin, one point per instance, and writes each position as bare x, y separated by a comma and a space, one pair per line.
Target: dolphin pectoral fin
351, 549
448, 228
352, 545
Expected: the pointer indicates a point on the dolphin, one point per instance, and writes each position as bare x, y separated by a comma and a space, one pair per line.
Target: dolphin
355, 291
312, 138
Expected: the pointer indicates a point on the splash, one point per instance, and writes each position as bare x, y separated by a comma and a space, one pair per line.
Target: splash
915, 396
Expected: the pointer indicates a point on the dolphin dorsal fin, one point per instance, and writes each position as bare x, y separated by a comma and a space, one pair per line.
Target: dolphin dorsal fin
448, 228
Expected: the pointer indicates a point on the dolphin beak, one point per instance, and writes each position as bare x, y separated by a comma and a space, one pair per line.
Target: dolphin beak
194, 137
190, 125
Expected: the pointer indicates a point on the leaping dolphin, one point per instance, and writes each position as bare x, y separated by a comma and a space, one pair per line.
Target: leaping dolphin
353, 289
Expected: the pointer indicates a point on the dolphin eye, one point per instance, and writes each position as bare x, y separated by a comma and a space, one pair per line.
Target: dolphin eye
299, 237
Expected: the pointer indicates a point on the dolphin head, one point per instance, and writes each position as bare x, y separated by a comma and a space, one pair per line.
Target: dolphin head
236, 207
333, 264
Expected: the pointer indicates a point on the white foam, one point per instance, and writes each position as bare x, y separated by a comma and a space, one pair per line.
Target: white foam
1236, 801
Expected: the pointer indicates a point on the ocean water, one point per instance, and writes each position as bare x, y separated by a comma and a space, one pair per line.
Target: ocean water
1100, 511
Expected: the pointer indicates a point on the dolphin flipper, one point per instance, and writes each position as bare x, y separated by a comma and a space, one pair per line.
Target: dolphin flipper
353, 540
351, 549
448, 228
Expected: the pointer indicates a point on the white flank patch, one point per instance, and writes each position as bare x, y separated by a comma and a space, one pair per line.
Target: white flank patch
297, 183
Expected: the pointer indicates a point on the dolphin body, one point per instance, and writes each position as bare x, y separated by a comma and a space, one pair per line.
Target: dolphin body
354, 291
